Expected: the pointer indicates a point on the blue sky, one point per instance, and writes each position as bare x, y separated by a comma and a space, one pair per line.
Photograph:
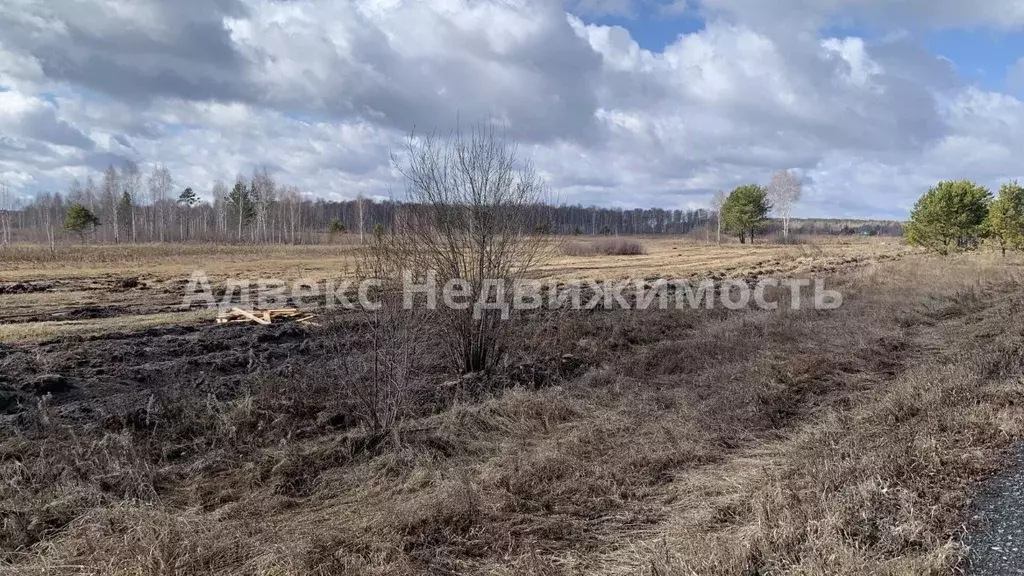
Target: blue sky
983, 56
651, 28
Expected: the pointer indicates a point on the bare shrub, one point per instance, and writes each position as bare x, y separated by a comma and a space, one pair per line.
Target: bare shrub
605, 247
375, 375
375, 384
467, 223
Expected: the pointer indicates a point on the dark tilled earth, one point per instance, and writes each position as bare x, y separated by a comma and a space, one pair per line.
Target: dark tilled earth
124, 368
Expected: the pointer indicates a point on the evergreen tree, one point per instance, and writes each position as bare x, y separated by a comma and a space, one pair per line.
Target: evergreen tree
335, 227
125, 209
188, 198
1006, 217
949, 217
79, 220
745, 210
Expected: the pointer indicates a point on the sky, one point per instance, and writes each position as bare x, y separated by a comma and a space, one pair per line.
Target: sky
621, 103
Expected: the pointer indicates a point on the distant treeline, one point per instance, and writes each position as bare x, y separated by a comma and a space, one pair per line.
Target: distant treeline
257, 210
309, 222
840, 227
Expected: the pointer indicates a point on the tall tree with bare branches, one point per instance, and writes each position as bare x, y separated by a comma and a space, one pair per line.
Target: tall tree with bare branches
112, 200
262, 194
160, 183
361, 205
717, 201
131, 184
783, 191
6, 207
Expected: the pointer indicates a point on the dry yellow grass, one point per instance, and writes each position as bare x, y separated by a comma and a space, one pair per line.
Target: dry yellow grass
666, 256
750, 443
82, 276
29, 263
682, 258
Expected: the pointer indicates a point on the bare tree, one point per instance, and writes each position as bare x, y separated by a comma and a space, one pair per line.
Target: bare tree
75, 193
293, 201
262, 195
784, 191
160, 183
112, 200
6, 207
131, 183
220, 207
468, 223
717, 201
361, 204
89, 193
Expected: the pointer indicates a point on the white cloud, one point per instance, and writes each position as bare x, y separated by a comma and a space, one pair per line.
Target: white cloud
998, 14
321, 90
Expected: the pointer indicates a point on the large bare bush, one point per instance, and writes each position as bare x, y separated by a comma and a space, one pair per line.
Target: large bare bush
605, 247
467, 221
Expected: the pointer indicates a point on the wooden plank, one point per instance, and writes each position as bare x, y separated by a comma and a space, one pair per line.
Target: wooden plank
250, 316
259, 316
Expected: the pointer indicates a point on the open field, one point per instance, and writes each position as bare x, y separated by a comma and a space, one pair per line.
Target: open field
83, 289
650, 442
802, 442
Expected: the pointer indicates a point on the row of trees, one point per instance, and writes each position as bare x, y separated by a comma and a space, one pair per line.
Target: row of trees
745, 210
128, 206
958, 215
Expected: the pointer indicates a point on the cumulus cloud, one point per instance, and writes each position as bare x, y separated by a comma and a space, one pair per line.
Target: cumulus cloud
891, 14
321, 91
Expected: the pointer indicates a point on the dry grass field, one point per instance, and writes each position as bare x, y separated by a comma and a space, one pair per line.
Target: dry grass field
82, 289
145, 441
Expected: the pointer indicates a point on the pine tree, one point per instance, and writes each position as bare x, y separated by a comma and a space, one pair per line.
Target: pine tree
79, 220
949, 217
745, 210
1005, 222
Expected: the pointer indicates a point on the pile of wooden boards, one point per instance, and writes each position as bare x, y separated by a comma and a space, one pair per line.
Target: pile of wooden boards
264, 316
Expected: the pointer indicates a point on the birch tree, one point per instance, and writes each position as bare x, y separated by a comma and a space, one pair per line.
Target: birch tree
131, 183
361, 204
717, 201
220, 207
6, 207
160, 183
784, 191
261, 194
112, 200
293, 202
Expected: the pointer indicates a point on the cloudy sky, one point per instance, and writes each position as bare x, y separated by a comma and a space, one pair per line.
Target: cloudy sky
632, 103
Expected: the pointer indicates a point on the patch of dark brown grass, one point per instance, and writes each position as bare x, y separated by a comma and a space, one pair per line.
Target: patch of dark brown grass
604, 247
